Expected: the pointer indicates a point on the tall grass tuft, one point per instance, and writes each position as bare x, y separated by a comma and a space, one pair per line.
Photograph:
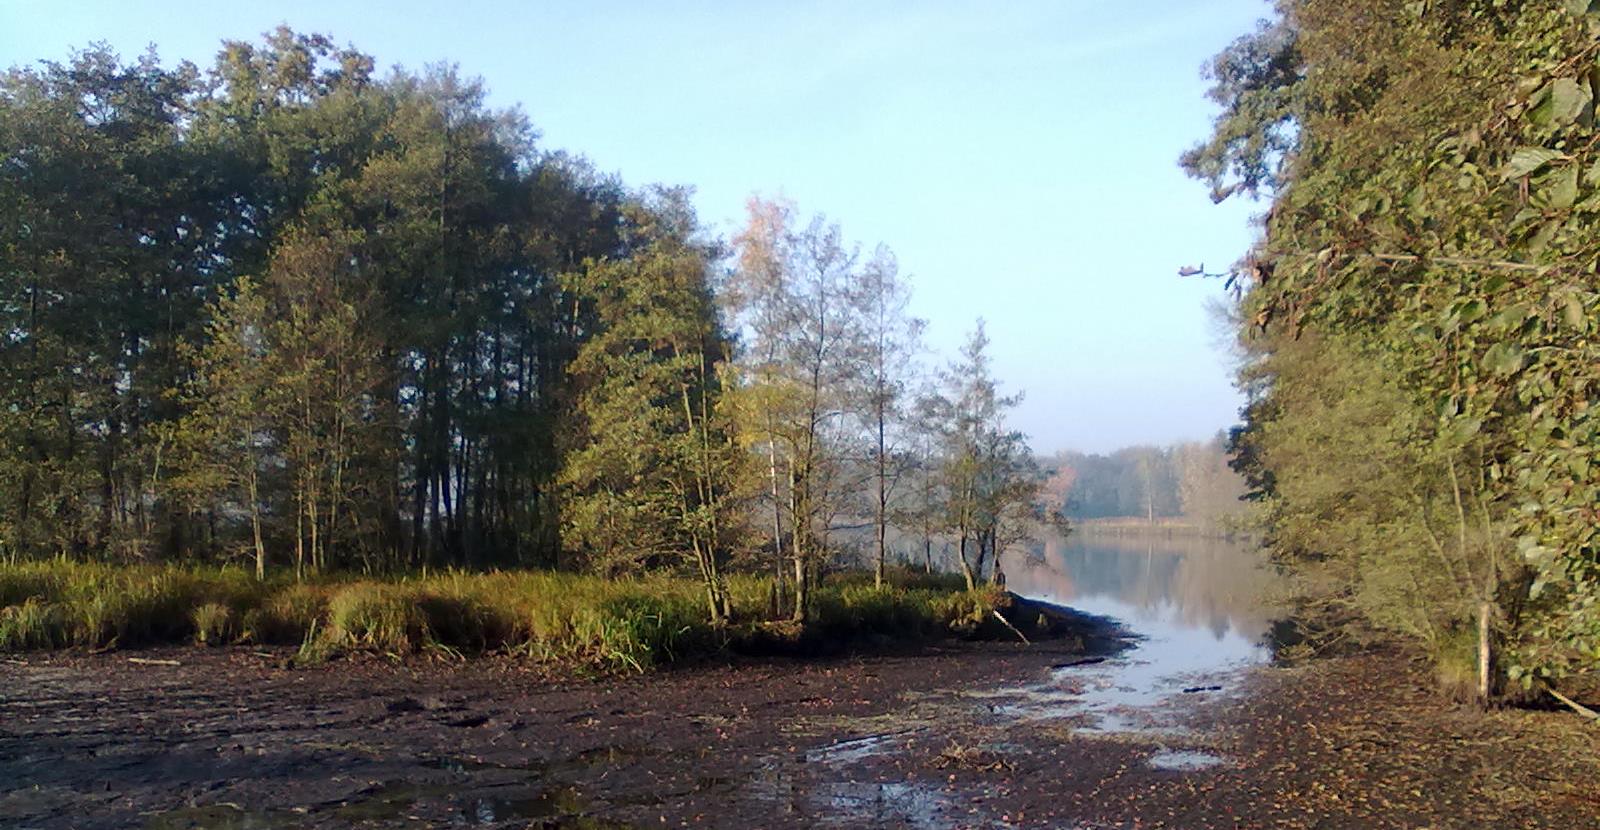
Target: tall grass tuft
384, 617
33, 624
213, 624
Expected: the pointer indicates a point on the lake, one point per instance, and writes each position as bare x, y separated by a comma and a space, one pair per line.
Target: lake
1197, 608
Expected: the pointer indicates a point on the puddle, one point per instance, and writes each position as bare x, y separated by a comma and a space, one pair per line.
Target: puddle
855, 749
561, 801
1193, 606
1184, 760
879, 805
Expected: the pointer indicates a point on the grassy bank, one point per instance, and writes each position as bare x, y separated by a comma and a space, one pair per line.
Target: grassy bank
546, 616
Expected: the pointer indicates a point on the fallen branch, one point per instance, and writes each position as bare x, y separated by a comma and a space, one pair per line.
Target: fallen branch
148, 662
1575, 705
1020, 635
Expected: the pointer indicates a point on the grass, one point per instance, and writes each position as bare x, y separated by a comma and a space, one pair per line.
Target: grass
544, 616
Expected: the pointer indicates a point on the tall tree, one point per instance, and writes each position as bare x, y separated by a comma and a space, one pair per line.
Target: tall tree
223, 448
889, 338
798, 287
989, 477
648, 477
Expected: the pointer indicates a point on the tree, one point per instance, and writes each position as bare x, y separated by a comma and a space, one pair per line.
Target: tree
648, 478
224, 445
889, 341
319, 396
1422, 296
989, 478
795, 291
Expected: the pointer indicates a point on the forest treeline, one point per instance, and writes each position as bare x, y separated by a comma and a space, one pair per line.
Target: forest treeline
288, 313
1420, 319
1191, 480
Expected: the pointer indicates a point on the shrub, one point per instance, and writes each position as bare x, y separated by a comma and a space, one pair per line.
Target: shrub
287, 617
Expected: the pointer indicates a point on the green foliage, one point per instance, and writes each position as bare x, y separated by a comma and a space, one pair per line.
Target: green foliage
33, 624
1421, 312
647, 475
299, 314
383, 617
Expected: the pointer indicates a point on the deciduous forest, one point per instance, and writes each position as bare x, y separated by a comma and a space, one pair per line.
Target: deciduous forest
284, 313
1192, 481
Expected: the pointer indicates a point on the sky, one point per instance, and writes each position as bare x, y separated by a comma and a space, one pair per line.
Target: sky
1019, 157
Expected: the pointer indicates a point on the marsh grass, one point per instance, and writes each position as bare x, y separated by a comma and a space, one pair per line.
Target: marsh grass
631, 624
213, 624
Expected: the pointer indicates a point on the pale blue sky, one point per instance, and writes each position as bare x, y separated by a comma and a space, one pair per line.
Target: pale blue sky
1019, 157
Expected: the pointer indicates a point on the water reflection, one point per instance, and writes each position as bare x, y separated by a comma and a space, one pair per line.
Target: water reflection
1188, 588
1197, 606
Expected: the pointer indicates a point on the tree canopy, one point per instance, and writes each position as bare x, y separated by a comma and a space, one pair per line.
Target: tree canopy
1421, 314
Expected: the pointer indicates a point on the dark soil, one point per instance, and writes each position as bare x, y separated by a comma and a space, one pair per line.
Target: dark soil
233, 739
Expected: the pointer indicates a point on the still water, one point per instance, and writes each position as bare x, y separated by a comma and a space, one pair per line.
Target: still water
1195, 615
1196, 607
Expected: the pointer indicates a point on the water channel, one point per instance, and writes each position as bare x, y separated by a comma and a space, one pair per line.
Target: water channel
1196, 607
1195, 613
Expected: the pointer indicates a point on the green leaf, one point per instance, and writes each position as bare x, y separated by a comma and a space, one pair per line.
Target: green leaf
1509, 318
1465, 428
1573, 314
1560, 189
1526, 160
1504, 358
1568, 99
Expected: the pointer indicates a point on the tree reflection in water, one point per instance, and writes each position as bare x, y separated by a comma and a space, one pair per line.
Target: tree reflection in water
1152, 581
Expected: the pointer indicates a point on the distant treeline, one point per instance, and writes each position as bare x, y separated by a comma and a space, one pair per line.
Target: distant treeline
1191, 480
287, 313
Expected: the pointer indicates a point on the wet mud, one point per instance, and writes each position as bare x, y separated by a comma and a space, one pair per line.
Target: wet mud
965, 735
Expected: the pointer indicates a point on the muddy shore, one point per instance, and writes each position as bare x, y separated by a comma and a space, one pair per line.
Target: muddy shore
960, 735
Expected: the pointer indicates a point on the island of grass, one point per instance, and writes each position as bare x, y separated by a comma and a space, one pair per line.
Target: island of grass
565, 619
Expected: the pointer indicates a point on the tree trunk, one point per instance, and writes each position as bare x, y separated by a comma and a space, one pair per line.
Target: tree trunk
883, 499
801, 580
255, 527
966, 567
1485, 654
